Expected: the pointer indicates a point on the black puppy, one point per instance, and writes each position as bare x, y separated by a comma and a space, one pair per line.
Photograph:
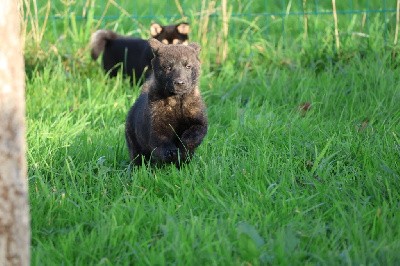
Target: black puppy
168, 121
133, 54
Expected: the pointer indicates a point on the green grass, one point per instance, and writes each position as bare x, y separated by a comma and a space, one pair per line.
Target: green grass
270, 184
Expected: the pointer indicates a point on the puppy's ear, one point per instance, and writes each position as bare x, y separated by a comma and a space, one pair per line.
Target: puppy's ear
155, 29
155, 46
195, 46
183, 28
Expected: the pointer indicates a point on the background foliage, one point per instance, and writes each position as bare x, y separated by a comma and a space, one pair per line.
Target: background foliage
300, 164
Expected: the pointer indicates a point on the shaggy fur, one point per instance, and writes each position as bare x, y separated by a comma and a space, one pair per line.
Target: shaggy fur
133, 54
168, 121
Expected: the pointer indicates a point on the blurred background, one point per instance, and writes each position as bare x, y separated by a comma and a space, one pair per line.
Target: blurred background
311, 29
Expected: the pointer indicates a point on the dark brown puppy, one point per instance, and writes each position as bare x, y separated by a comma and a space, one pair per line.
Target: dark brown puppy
133, 54
168, 121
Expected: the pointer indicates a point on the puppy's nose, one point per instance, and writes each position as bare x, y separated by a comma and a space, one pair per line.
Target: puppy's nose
179, 82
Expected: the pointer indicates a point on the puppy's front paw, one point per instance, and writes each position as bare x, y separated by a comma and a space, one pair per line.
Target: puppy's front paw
171, 155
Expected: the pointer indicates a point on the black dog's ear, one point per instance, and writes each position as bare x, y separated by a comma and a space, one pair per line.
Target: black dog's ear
155, 45
155, 29
183, 28
195, 46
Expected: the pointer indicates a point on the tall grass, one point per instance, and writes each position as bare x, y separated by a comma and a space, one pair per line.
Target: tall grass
302, 27
300, 164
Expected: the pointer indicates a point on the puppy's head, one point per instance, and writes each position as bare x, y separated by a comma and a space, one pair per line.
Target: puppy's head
172, 34
176, 67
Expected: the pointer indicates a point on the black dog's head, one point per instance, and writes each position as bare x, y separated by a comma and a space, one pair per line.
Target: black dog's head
172, 34
176, 67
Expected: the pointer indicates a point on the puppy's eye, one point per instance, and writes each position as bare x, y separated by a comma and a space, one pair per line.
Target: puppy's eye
168, 68
188, 66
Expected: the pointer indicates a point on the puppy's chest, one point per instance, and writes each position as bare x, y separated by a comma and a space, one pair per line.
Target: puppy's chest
173, 110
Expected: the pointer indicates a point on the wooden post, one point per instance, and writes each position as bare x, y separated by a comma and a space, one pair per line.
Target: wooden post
225, 25
396, 34
335, 19
305, 18
14, 211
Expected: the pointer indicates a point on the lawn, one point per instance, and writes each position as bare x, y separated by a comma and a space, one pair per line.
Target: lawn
301, 163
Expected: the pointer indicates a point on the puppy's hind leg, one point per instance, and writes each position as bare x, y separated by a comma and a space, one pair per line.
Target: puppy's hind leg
134, 150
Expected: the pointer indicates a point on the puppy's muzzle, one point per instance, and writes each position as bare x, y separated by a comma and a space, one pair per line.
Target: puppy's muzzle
179, 82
